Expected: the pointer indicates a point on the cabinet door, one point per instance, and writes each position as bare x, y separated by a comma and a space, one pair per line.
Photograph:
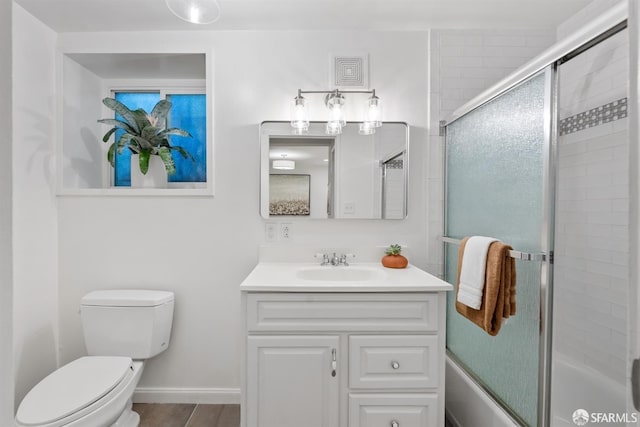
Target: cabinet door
290, 381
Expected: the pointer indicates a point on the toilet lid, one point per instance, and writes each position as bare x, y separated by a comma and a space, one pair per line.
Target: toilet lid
72, 388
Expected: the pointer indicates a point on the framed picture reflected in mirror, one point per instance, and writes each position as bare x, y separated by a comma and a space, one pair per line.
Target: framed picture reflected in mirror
289, 194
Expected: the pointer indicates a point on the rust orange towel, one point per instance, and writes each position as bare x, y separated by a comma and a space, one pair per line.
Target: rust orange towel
499, 297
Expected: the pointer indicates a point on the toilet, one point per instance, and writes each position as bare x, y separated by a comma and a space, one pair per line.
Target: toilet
122, 328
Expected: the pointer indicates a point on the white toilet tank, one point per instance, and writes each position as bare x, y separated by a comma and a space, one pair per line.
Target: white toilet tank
134, 323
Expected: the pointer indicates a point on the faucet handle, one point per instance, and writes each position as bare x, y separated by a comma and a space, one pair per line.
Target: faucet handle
343, 258
325, 258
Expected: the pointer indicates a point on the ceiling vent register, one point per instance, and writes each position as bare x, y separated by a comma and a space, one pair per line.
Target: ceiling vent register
350, 71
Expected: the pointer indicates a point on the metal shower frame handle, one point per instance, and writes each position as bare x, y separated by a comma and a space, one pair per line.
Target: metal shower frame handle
524, 256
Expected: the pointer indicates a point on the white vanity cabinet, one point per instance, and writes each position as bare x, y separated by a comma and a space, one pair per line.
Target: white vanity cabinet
348, 357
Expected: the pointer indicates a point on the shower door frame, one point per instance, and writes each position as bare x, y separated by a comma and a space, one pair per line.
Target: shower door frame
608, 24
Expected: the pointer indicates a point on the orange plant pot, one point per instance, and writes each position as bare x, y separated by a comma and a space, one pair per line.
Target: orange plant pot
394, 261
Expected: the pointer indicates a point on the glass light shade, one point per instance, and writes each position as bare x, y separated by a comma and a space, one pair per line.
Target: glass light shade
335, 103
374, 112
333, 128
284, 164
299, 115
366, 129
195, 11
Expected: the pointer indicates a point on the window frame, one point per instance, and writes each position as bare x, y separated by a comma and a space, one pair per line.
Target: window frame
164, 87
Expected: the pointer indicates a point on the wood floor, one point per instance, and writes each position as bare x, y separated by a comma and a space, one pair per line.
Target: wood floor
187, 415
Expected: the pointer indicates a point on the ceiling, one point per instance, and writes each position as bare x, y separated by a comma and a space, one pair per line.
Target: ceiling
148, 15
143, 65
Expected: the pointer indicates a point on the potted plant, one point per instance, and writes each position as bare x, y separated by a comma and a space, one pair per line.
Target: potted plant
393, 259
145, 135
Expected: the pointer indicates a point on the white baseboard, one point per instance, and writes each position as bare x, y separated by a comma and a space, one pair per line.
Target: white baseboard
186, 395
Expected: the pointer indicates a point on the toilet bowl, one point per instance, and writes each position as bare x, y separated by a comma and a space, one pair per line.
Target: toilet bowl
122, 329
67, 398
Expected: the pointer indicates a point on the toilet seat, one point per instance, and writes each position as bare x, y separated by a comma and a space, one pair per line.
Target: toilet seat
66, 394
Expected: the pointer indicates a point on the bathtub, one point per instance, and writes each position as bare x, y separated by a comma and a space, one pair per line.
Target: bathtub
468, 405
573, 387
576, 386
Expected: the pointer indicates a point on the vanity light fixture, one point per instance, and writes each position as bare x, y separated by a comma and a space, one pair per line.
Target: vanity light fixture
366, 129
195, 11
284, 164
335, 102
299, 116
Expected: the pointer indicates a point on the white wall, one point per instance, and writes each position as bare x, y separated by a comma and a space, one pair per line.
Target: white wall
35, 244
6, 280
81, 131
202, 248
463, 63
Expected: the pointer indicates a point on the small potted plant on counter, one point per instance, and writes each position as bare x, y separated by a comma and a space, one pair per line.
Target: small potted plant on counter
393, 259
147, 139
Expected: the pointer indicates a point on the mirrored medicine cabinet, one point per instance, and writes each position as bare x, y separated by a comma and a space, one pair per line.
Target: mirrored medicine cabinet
343, 176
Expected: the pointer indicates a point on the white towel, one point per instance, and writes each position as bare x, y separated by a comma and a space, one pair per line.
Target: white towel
472, 273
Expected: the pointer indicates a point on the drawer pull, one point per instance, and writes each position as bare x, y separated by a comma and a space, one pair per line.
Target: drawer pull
394, 423
395, 365
334, 362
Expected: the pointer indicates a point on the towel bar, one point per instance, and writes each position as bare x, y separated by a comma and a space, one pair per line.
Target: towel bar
524, 256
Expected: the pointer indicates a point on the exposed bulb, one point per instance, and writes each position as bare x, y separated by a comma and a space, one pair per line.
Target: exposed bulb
299, 117
195, 11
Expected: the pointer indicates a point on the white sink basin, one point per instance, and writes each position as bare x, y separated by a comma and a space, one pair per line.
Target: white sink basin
339, 274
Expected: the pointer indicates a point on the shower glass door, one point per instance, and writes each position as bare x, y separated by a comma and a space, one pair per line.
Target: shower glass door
496, 186
591, 283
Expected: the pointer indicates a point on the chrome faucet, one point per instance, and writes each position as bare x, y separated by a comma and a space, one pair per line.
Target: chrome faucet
334, 260
343, 260
325, 258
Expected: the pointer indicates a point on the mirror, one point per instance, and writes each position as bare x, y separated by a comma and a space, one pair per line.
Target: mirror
334, 176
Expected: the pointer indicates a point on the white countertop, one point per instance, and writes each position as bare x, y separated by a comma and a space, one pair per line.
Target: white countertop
286, 277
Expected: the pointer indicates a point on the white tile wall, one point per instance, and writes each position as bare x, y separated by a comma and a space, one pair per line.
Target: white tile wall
591, 268
463, 63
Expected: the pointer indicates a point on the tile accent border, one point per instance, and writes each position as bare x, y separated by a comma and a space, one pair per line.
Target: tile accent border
596, 116
395, 164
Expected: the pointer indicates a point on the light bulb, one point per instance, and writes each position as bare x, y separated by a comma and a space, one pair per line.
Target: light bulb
194, 14
335, 103
299, 116
195, 11
374, 111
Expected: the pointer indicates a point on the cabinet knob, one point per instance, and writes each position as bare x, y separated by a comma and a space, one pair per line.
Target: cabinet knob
394, 423
395, 365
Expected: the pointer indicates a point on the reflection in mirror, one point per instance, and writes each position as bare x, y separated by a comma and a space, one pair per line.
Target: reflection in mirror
342, 176
393, 187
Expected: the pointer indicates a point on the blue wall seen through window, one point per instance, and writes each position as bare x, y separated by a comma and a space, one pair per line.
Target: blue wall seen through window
188, 112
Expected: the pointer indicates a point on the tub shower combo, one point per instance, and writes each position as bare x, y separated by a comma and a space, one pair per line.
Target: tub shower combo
540, 161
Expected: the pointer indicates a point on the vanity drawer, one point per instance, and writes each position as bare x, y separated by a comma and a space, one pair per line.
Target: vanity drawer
408, 312
393, 410
393, 361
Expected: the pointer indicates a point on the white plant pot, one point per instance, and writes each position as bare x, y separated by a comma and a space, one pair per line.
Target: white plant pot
156, 176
